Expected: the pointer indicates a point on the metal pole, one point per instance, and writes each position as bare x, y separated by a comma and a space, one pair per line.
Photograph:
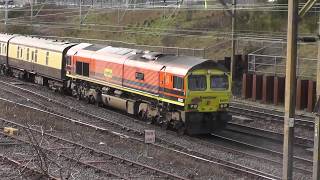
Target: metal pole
316, 148
31, 14
31, 10
290, 89
80, 12
118, 13
233, 44
6, 16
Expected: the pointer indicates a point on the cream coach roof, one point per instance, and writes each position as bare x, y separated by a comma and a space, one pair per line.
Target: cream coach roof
41, 43
6, 37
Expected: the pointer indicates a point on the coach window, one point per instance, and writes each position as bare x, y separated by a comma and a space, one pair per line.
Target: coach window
139, 76
28, 54
21, 52
47, 58
5, 49
32, 55
177, 82
1, 49
18, 52
36, 55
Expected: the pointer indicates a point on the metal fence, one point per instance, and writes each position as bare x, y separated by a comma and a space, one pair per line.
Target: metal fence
121, 3
275, 64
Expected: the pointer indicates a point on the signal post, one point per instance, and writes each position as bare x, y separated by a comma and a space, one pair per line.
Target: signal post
316, 148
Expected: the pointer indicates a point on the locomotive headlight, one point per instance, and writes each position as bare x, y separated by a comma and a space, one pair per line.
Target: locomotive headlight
224, 105
193, 106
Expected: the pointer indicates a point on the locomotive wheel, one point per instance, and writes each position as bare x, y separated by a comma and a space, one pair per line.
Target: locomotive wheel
164, 125
78, 97
142, 115
87, 99
92, 100
154, 120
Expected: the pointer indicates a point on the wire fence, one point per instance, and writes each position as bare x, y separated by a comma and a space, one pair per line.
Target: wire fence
164, 49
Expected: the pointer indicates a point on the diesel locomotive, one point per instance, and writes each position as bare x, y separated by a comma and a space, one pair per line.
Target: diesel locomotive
187, 93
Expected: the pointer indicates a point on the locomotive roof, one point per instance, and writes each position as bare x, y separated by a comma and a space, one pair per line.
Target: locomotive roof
49, 44
73, 50
179, 65
6, 37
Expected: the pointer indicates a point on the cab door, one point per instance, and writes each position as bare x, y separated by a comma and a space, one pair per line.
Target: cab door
162, 81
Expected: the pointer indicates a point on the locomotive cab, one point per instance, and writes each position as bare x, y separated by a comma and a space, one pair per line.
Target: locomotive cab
208, 94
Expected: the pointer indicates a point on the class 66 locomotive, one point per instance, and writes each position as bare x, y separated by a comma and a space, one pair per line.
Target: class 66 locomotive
185, 93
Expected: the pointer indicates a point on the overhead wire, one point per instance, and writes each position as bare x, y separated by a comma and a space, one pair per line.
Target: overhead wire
57, 25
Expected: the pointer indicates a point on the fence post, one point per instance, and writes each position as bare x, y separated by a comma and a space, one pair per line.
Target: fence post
254, 63
275, 65
298, 66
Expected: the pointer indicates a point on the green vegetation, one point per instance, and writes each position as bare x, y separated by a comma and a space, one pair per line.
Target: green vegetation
204, 29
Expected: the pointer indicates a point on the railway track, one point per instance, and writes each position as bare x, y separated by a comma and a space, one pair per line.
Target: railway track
267, 134
95, 159
53, 154
26, 172
232, 140
172, 147
269, 115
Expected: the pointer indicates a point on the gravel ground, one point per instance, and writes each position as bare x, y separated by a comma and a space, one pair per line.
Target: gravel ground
123, 147
55, 164
189, 142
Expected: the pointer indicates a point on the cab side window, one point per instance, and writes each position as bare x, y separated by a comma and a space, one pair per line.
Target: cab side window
82, 68
177, 82
139, 76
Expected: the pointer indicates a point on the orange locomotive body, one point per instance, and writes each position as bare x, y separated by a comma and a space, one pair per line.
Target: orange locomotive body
150, 85
128, 69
